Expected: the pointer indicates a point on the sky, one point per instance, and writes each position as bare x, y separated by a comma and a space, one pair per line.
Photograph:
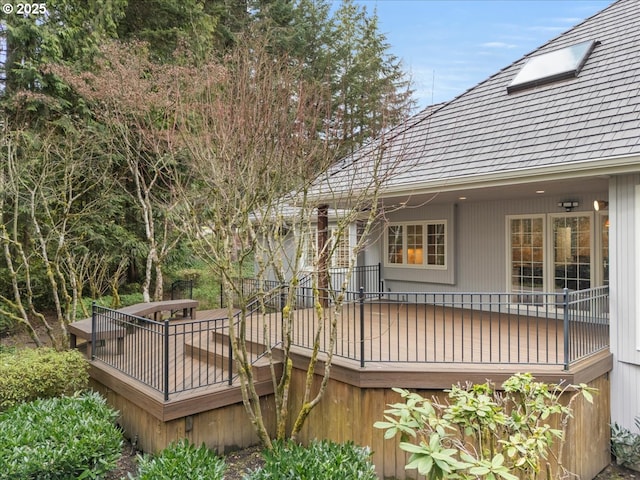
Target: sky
449, 46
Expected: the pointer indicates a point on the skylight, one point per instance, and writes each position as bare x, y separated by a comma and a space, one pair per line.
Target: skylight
550, 67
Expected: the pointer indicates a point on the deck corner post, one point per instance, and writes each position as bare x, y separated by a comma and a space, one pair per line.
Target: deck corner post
166, 360
565, 303
93, 330
361, 297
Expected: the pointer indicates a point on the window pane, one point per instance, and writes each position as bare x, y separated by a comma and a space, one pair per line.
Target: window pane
394, 241
436, 239
341, 251
414, 244
311, 248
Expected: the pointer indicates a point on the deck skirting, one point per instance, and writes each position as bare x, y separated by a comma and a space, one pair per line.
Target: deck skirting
356, 398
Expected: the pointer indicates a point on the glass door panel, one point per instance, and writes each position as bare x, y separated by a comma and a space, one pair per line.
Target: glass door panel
527, 254
571, 252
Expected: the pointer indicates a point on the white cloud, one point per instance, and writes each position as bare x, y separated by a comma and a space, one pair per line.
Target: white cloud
498, 45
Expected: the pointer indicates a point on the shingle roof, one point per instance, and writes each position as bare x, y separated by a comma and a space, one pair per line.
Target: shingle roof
487, 132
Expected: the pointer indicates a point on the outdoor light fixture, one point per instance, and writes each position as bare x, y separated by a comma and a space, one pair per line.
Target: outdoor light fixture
600, 205
568, 205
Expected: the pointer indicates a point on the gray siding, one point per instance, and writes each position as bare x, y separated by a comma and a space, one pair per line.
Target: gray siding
478, 260
625, 380
624, 285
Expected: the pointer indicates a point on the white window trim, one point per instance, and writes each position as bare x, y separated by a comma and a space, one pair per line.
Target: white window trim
424, 265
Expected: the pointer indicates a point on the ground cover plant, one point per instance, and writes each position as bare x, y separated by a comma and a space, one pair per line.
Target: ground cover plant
181, 460
483, 432
321, 460
27, 374
59, 438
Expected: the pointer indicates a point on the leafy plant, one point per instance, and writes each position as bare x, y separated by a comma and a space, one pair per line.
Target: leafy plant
625, 445
321, 460
181, 460
480, 432
59, 438
28, 374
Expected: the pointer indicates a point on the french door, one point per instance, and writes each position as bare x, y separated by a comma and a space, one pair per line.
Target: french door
555, 251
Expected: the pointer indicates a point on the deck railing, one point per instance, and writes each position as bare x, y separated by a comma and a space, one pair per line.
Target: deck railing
478, 328
367, 277
181, 289
173, 356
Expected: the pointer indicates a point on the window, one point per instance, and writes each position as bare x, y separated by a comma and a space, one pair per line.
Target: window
436, 244
341, 251
550, 67
417, 244
394, 249
311, 248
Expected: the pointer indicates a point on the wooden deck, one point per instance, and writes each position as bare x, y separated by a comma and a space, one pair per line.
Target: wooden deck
452, 344
426, 349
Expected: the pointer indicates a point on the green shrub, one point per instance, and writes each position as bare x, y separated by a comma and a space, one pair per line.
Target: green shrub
625, 445
181, 460
321, 460
480, 432
59, 438
206, 284
6, 324
31, 373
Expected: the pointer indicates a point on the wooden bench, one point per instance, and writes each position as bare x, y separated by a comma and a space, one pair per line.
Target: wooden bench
111, 330
107, 331
156, 309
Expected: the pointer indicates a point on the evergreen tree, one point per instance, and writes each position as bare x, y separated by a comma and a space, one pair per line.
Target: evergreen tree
370, 88
168, 26
69, 32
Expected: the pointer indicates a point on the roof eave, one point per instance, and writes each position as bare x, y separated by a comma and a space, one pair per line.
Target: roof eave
601, 167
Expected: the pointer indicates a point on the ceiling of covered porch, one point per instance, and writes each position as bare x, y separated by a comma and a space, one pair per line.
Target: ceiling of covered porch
556, 188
